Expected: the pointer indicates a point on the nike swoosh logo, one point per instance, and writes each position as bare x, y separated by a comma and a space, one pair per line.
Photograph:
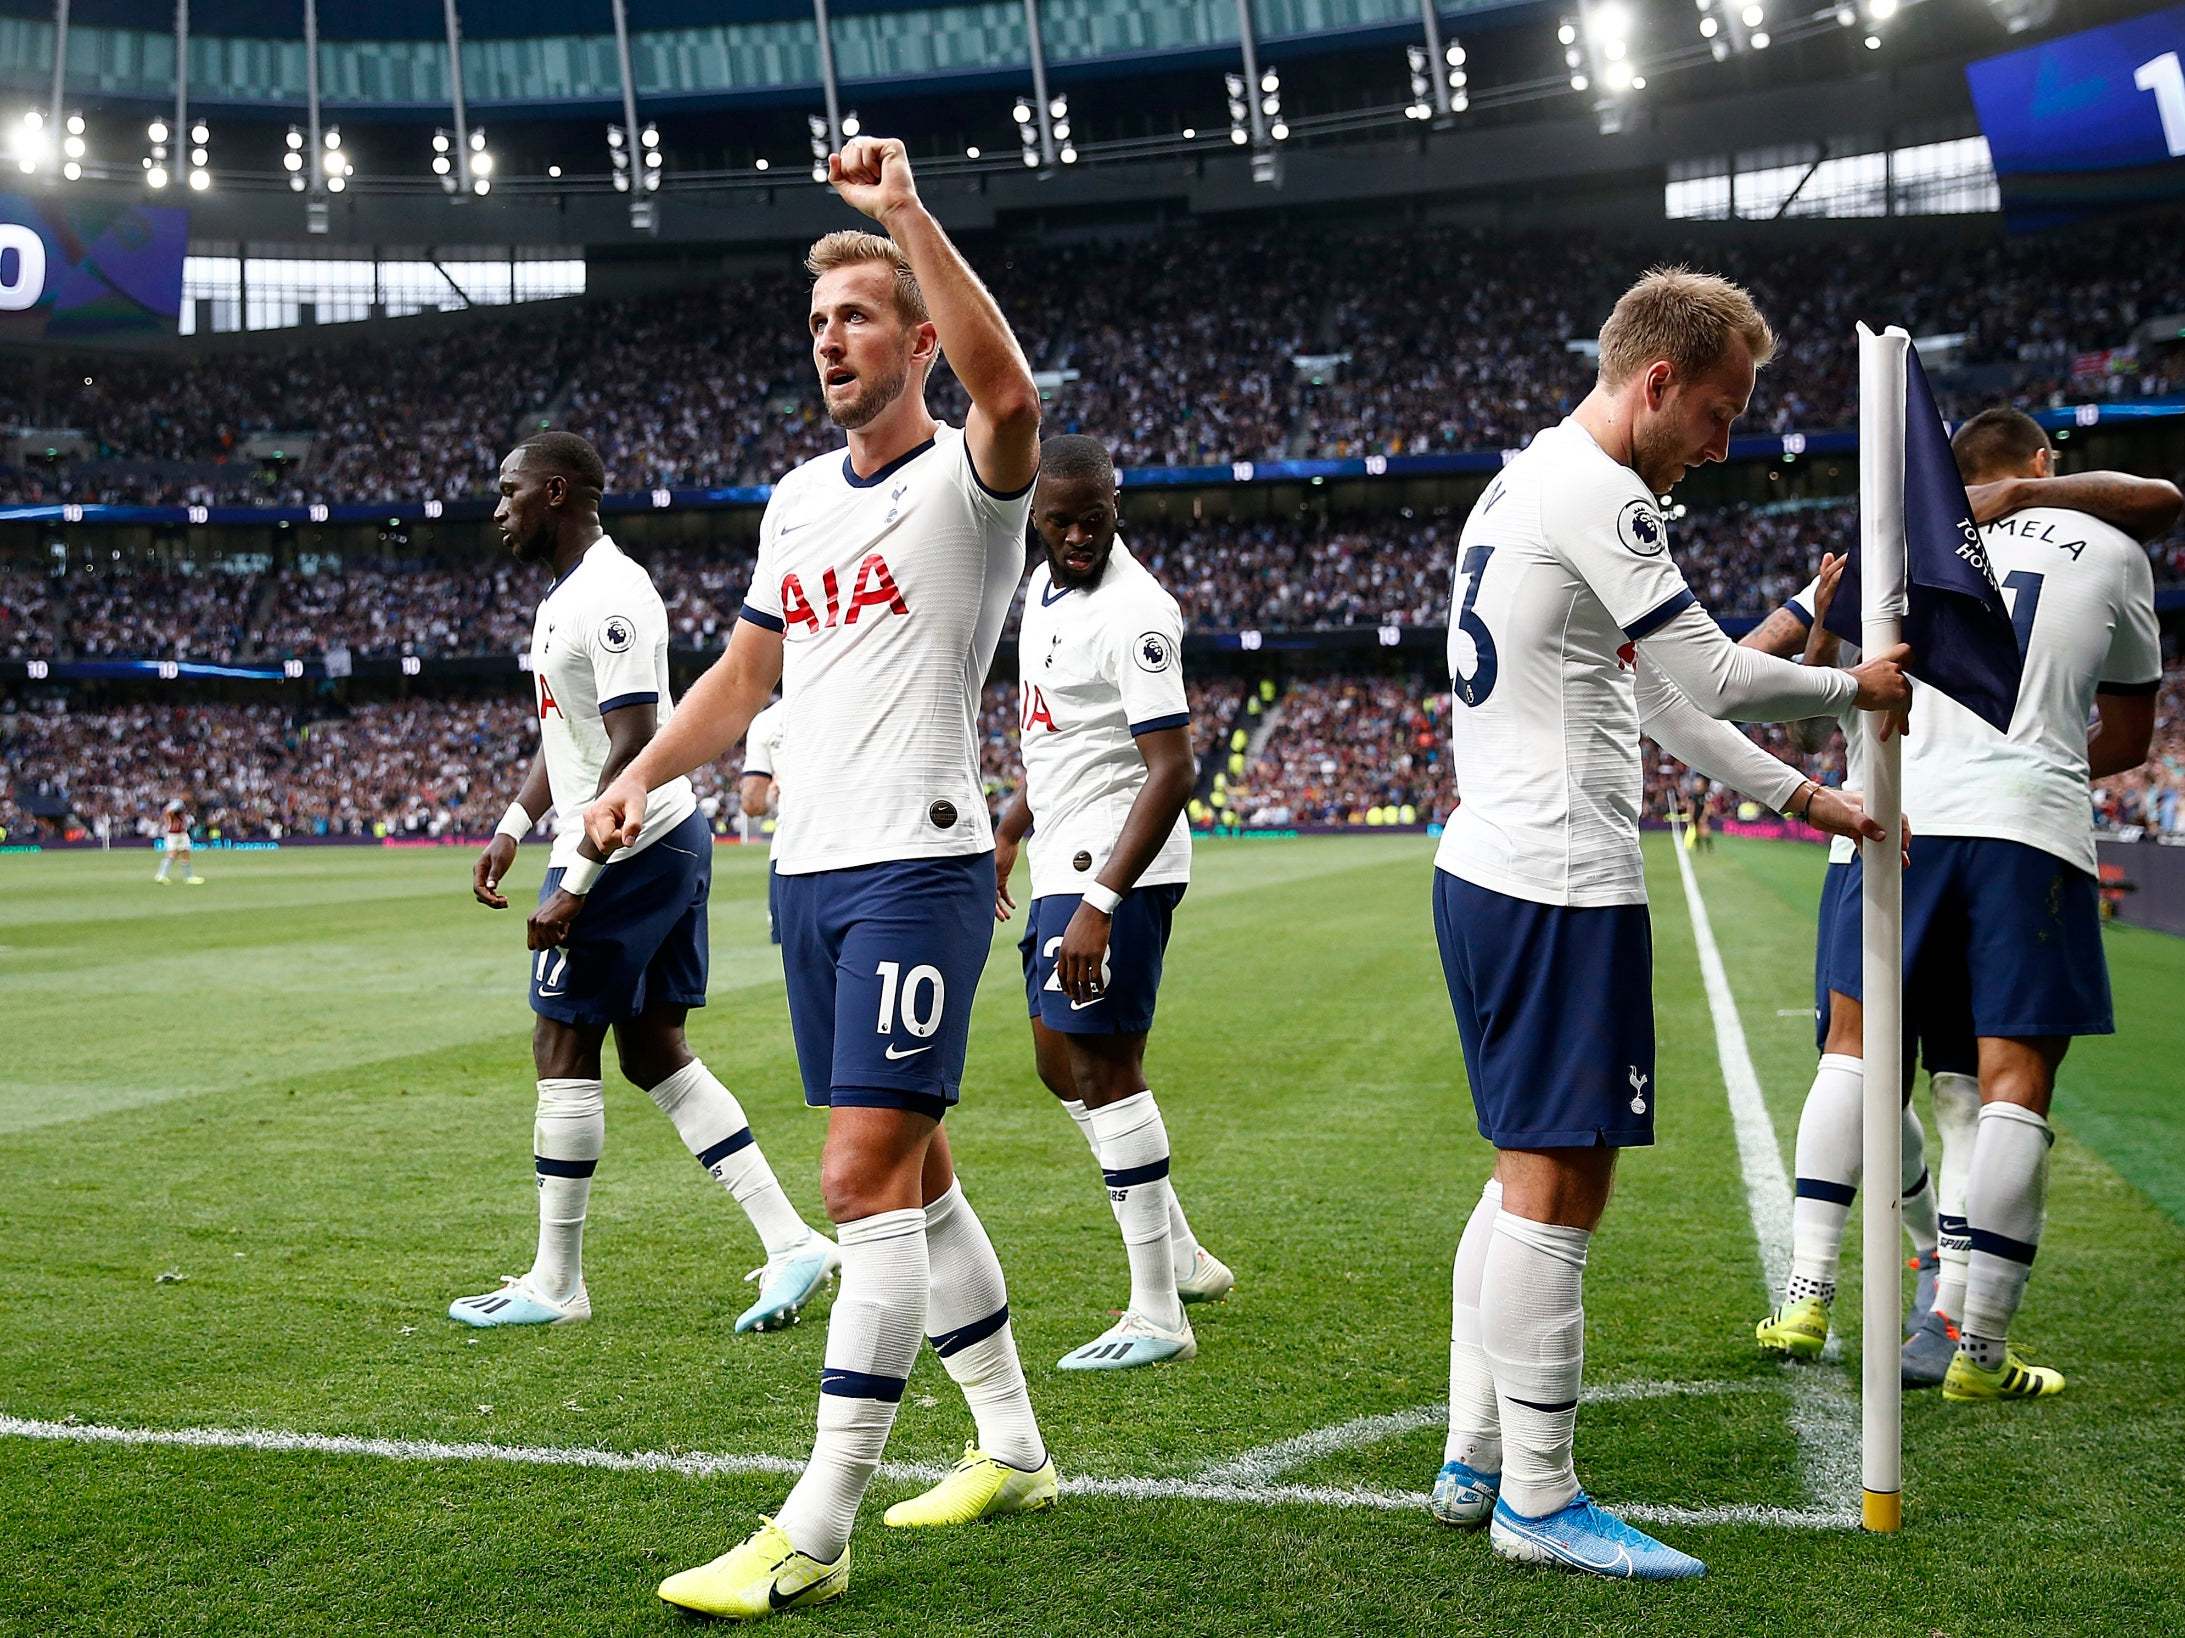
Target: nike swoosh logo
1620, 1559
1080, 1006
792, 528
549, 994
778, 1600
893, 1054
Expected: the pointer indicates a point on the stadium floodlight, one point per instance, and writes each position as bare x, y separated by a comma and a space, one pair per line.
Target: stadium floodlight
478, 140
1420, 107
851, 124
1760, 39
1068, 155
762, 163
200, 157
1846, 17
816, 126
554, 171
29, 142
155, 161
1567, 34
1191, 133
1754, 15
1881, 10
650, 136
1707, 27
1873, 42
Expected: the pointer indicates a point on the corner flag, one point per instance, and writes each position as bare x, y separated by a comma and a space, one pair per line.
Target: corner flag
1954, 616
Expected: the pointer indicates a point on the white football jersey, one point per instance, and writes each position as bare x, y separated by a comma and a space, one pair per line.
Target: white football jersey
1095, 669
890, 593
1841, 849
598, 643
2082, 598
762, 744
1563, 565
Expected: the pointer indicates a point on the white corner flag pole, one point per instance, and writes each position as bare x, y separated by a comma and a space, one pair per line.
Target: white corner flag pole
1881, 626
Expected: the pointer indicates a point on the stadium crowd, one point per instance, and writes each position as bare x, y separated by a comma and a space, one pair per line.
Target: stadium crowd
1305, 571
1311, 343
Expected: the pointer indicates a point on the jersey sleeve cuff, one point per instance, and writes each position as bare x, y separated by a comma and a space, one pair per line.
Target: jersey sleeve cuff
1153, 725
760, 618
756, 773
1805, 615
646, 696
1660, 615
998, 494
2152, 686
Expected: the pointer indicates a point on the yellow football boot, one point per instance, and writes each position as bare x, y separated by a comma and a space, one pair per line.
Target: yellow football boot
979, 1487
1799, 1329
762, 1577
1967, 1383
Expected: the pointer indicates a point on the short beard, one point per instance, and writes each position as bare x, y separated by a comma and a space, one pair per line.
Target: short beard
1657, 470
873, 397
537, 547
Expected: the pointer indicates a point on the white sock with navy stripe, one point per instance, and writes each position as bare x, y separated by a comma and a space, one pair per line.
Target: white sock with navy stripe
1532, 1322
873, 1334
567, 1134
1918, 1199
1957, 1126
967, 1316
1183, 1245
1475, 1430
1134, 1161
711, 1123
1828, 1157
2006, 1205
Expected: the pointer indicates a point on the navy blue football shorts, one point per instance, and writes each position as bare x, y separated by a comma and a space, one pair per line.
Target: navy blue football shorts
1938, 1020
1131, 980
882, 963
640, 940
2018, 928
1555, 1006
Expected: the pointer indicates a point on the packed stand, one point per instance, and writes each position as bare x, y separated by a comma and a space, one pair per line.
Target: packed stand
413, 769
714, 386
1342, 748
29, 622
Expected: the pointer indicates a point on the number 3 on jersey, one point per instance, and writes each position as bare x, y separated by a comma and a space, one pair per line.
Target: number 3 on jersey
1474, 686
921, 992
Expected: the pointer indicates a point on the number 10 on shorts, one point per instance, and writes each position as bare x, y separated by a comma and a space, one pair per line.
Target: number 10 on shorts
921, 992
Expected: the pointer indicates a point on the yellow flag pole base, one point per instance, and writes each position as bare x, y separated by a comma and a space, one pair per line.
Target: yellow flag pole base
1882, 1511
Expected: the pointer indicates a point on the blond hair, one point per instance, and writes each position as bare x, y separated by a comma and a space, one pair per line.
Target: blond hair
848, 247
1687, 318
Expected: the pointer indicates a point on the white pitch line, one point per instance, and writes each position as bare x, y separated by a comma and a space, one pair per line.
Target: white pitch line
1824, 1417
696, 1464
1266, 1462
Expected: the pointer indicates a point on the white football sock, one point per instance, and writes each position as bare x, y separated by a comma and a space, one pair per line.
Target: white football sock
2006, 1204
1134, 1162
1957, 1123
1183, 1245
967, 1316
712, 1126
567, 1134
1475, 1431
165, 860
1083, 1117
1532, 1323
873, 1333
1918, 1199
1828, 1158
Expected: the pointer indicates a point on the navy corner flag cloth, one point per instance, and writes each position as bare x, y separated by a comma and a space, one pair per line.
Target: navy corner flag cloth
1956, 620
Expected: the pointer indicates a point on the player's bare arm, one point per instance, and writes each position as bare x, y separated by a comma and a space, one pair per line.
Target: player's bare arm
1170, 773
872, 174
712, 717
628, 728
1009, 833
2124, 730
754, 794
2142, 507
494, 862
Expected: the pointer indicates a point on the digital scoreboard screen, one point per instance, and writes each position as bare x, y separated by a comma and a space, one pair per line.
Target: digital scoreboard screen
72, 270
2089, 122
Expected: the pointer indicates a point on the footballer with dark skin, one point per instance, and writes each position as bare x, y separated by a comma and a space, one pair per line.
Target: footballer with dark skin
549, 517
1074, 517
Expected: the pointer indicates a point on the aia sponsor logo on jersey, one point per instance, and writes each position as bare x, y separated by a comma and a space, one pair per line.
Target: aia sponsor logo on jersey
1627, 657
873, 587
547, 702
1035, 712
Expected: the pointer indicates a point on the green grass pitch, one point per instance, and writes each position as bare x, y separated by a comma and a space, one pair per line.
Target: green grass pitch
303, 1091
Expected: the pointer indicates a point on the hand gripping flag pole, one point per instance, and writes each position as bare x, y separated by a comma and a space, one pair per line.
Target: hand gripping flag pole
1881, 627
